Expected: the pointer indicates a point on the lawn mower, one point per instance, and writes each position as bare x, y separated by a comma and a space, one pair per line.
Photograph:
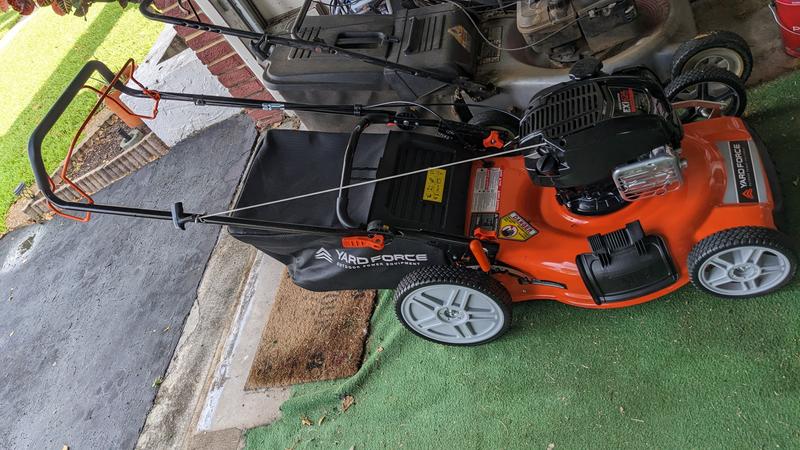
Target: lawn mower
460, 52
608, 192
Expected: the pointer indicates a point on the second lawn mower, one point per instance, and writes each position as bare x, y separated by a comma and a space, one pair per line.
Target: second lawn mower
491, 52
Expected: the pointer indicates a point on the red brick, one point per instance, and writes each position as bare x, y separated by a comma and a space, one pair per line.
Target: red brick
177, 11
236, 77
215, 53
248, 88
262, 95
169, 8
204, 40
184, 32
226, 65
164, 4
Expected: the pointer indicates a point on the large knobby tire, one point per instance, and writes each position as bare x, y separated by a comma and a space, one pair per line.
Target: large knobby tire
742, 262
723, 49
453, 305
708, 83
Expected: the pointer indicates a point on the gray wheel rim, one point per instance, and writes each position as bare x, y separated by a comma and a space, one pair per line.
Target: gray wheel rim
744, 271
724, 58
452, 314
712, 91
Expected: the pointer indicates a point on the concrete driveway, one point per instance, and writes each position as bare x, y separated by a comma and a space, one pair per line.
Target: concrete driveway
90, 314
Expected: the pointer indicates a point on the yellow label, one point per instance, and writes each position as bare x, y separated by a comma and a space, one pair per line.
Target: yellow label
434, 185
514, 228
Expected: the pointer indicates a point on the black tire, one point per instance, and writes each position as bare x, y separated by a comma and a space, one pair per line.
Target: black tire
704, 75
496, 120
433, 276
726, 41
731, 239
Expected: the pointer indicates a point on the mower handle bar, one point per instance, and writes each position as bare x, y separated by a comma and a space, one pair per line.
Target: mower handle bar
298, 20
343, 200
43, 128
176, 213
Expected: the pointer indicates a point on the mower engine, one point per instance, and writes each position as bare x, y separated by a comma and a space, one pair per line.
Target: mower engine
560, 28
608, 141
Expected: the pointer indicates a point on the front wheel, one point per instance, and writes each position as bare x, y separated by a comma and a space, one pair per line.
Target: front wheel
723, 89
742, 262
453, 305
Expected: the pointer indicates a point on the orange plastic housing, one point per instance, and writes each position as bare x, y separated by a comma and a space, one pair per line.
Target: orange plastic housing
682, 218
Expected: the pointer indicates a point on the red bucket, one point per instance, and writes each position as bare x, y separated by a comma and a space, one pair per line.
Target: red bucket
787, 14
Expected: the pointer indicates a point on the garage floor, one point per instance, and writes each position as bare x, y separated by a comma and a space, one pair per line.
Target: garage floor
90, 313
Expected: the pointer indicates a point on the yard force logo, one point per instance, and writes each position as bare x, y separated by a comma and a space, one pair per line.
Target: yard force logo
323, 255
743, 173
347, 260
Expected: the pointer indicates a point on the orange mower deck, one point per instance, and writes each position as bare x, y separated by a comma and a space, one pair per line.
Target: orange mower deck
682, 217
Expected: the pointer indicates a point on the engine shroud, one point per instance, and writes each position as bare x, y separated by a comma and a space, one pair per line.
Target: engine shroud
589, 129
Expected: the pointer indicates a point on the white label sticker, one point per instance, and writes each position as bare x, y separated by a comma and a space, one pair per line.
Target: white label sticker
486, 193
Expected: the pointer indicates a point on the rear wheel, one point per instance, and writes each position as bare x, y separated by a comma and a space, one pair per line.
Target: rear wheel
453, 305
723, 49
497, 120
742, 262
710, 84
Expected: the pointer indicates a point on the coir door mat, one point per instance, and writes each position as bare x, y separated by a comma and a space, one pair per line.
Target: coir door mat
311, 336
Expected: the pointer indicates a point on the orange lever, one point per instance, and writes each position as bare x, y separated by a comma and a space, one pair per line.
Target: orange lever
374, 242
480, 256
484, 235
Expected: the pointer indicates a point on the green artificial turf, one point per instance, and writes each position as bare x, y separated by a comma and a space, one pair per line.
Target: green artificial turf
685, 371
37, 65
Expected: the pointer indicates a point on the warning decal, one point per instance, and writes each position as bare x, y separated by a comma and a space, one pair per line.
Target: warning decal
486, 192
434, 185
514, 228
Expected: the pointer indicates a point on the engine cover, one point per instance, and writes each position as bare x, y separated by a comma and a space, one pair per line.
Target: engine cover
593, 127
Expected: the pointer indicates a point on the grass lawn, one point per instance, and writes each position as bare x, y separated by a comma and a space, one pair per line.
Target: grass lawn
7, 20
687, 371
36, 66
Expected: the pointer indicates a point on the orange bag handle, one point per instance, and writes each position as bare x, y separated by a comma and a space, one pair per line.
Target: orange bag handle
103, 94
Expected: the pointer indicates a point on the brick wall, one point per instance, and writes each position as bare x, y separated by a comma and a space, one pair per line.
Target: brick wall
223, 62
